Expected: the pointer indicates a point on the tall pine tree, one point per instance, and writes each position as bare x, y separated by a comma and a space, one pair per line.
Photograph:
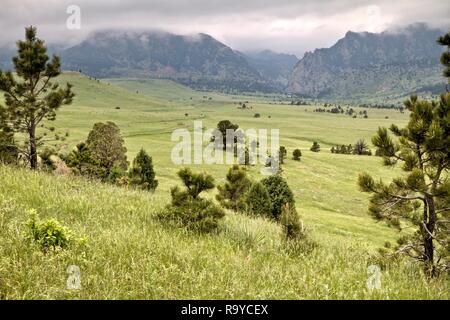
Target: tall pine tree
30, 96
422, 196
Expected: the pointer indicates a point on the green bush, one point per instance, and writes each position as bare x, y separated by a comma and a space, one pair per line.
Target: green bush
292, 226
258, 200
9, 152
315, 147
49, 234
232, 193
296, 155
141, 173
279, 193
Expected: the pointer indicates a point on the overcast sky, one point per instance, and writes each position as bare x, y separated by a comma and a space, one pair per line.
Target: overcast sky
292, 26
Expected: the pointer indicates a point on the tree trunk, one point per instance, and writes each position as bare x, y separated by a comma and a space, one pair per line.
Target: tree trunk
33, 148
427, 232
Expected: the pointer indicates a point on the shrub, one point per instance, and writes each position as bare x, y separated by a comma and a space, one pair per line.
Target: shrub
48, 234
258, 200
187, 209
297, 154
232, 192
315, 147
107, 146
282, 154
142, 173
82, 162
279, 193
292, 226
9, 152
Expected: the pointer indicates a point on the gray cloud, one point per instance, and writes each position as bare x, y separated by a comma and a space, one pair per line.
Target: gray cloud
281, 25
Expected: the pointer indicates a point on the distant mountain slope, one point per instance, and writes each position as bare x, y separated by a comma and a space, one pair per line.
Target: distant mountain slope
367, 64
273, 66
199, 61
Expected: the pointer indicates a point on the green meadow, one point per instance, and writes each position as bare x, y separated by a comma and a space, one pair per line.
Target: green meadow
131, 255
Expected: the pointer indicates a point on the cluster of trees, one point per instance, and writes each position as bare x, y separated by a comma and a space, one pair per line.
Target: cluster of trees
103, 156
31, 98
359, 148
271, 198
383, 106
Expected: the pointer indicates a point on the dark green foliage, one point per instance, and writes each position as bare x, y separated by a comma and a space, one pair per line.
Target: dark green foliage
315, 147
9, 152
445, 57
297, 154
195, 183
30, 96
142, 173
232, 193
107, 146
282, 154
258, 200
361, 148
422, 196
222, 127
82, 162
189, 210
279, 193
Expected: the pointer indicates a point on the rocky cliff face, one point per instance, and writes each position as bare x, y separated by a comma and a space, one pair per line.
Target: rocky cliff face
361, 64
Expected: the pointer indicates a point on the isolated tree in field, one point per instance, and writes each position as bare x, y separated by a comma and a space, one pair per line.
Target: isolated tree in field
258, 200
222, 127
30, 96
297, 154
282, 154
142, 173
445, 57
315, 147
361, 148
423, 195
232, 193
107, 146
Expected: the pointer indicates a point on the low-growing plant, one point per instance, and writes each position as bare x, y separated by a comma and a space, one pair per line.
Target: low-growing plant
187, 209
48, 234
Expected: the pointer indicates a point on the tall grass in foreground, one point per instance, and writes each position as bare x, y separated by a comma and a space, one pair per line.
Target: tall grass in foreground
129, 255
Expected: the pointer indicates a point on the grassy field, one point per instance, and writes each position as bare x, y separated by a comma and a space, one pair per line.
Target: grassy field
130, 255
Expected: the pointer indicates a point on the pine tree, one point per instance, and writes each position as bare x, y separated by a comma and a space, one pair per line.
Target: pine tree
142, 173
30, 96
258, 200
445, 57
232, 193
280, 193
292, 226
282, 153
297, 154
315, 147
423, 195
